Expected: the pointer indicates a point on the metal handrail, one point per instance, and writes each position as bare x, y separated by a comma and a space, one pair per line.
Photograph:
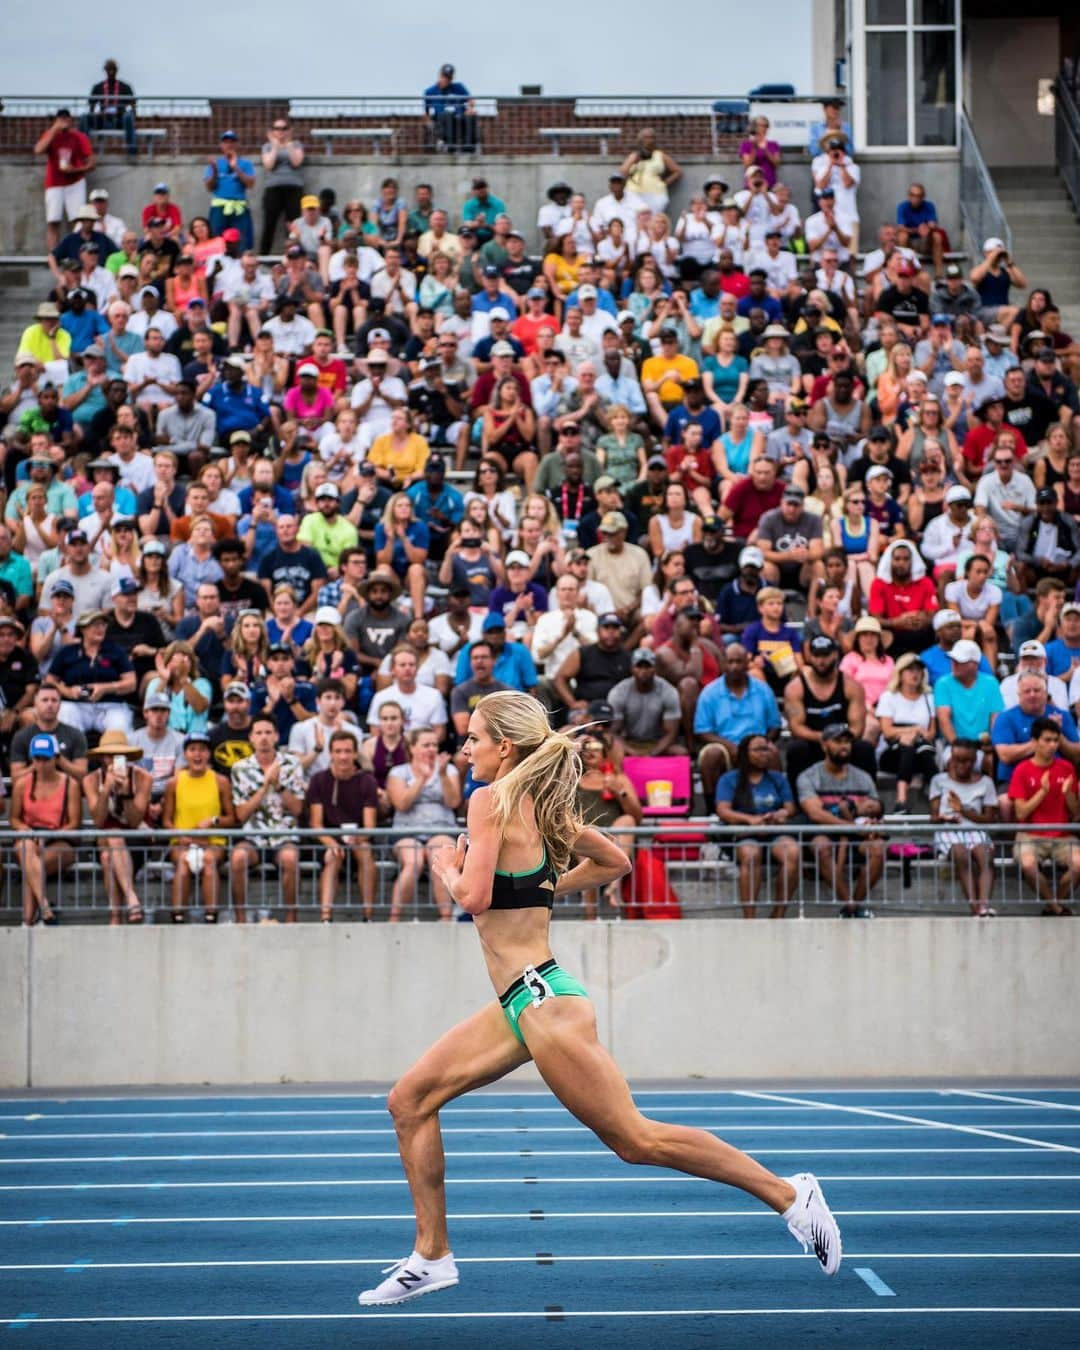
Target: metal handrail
980, 208
13, 104
1067, 139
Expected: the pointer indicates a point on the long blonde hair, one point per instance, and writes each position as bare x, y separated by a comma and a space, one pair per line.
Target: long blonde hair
548, 771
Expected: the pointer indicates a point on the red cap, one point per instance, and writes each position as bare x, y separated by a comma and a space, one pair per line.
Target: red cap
231, 236
903, 269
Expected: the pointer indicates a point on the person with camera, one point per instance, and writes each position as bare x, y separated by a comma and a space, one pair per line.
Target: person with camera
117, 795
197, 798
834, 168
993, 278
69, 158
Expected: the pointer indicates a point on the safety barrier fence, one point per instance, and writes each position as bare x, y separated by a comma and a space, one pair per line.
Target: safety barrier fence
398, 125
982, 212
682, 868
1067, 137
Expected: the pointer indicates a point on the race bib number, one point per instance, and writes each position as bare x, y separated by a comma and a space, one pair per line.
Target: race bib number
536, 985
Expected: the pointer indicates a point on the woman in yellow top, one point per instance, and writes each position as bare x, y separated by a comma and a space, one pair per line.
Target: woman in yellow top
196, 798
651, 173
400, 455
561, 267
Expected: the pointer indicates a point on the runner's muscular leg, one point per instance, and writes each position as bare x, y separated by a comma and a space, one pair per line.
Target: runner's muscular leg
479, 1050
561, 1036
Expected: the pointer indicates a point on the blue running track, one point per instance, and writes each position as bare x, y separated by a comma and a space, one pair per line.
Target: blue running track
244, 1220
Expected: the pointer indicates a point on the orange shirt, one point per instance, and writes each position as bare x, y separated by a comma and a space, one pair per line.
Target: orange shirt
657, 367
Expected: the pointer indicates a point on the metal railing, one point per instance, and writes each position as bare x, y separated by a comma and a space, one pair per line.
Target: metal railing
691, 868
684, 124
1067, 138
980, 209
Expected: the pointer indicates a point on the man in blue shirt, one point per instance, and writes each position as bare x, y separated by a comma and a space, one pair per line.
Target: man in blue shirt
238, 406
450, 111
438, 504
228, 178
1063, 653
758, 297
694, 409
1012, 729
82, 321
918, 215
513, 664
730, 708
948, 630
968, 701
480, 210
705, 300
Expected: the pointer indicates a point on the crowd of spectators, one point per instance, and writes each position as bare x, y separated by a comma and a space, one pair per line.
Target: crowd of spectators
718, 486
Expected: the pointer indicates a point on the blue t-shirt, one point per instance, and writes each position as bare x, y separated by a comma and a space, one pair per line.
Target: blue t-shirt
911, 217
241, 410
721, 713
604, 301
449, 501
439, 100
707, 419
229, 187
772, 307
937, 664
771, 794
282, 712
1060, 658
419, 537
734, 606
971, 708
84, 327
758, 635
502, 599
513, 666
1013, 727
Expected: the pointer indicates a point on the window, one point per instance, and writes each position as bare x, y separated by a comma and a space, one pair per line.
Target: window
905, 57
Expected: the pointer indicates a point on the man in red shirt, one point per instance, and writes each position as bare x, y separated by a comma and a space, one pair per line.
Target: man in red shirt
904, 598
1044, 789
162, 208
751, 497
691, 465
69, 157
332, 372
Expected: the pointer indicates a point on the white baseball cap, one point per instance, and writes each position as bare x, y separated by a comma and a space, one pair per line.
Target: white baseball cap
953, 377
993, 243
328, 614
965, 650
957, 493
517, 557
1033, 647
751, 557
944, 617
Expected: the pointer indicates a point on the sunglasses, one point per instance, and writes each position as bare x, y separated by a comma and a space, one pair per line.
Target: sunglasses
1003, 461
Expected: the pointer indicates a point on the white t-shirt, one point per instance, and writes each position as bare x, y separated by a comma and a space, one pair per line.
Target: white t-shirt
137, 473
370, 260
302, 741
815, 224
162, 320
435, 663
1056, 691
734, 238
291, 338
608, 209
550, 626
846, 203
550, 214
329, 446
141, 365
956, 597
905, 712
779, 271
377, 416
757, 214
444, 636
977, 795
383, 288
258, 291
424, 707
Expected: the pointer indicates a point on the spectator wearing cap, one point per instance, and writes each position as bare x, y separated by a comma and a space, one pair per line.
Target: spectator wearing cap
518, 599
437, 403
992, 278
554, 209
438, 503
162, 207
791, 542
19, 401
533, 319
591, 671
230, 740
735, 600
377, 395
817, 695
663, 376
82, 320
1063, 651
498, 336
905, 304
952, 294
1005, 495
46, 799
622, 567
1048, 543
970, 464
480, 210
326, 530
829, 227
1047, 379
162, 750
513, 664
237, 405
1031, 659
94, 678
774, 645
313, 232
999, 356
948, 629
84, 390
646, 710
135, 631
451, 113
609, 497
307, 402
287, 698
293, 332
90, 582
54, 625
19, 678
150, 313
197, 798
86, 229
228, 176
939, 353
1012, 732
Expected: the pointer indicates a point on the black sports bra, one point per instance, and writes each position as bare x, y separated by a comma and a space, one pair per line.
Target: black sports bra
525, 890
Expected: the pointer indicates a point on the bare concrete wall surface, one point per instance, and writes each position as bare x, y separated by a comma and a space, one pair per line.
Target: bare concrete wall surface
520, 183
920, 997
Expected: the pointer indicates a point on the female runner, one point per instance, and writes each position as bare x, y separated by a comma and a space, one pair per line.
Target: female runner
523, 832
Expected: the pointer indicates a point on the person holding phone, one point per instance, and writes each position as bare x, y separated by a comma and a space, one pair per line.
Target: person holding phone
118, 794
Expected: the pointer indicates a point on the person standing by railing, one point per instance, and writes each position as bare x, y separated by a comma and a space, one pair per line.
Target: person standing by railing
228, 178
283, 159
45, 799
112, 107
343, 798
69, 158
118, 794
197, 798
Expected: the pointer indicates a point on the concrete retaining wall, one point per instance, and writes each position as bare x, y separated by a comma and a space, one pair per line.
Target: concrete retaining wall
521, 183
926, 998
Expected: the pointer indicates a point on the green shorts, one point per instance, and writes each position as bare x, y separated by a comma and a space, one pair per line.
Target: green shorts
536, 984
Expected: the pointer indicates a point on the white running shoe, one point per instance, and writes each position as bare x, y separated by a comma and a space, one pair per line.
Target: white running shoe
409, 1278
810, 1222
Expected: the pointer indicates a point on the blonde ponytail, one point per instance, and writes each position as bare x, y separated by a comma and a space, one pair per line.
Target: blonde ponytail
548, 771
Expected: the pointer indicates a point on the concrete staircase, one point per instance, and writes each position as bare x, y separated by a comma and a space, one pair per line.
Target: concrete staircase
1046, 234
22, 289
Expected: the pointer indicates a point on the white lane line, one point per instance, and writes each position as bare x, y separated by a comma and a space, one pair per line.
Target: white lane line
554, 1260
922, 1120
929, 1090
915, 1127
872, 1179
1026, 1102
128, 1158
448, 1113
564, 1314
410, 1217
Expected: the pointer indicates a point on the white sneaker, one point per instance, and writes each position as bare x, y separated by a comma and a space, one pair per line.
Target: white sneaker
410, 1277
810, 1222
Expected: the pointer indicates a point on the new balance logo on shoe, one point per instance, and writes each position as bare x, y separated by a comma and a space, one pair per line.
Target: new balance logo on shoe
407, 1277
